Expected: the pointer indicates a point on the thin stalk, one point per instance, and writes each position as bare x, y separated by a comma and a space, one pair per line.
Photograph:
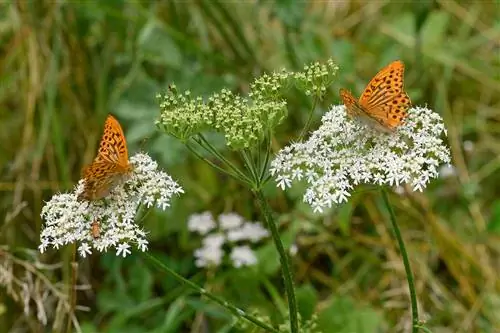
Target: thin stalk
72, 290
308, 122
284, 260
228, 306
208, 146
266, 160
250, 166
406, 262
241, 178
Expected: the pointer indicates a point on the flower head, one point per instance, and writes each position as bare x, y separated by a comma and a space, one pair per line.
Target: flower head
244, 121
316, 77
343, 153
230, 221
201, 223
231, 232
69, 220
243, 256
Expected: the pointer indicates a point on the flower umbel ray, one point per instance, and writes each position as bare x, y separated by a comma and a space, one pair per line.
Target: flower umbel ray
343, 153
68, 220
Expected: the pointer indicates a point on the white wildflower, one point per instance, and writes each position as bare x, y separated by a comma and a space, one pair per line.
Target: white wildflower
201, 223
208, 256
343, 153
230, 221
468, 146
243, 256
68, 220
214, 240
447, 171
230, 227
123, 249
251, 231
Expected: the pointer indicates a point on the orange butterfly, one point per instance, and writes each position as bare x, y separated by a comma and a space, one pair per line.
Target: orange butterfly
110, 166
384, 102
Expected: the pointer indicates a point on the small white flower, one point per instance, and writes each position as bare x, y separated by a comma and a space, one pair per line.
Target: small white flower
214, 240
251, 231
243, 256
84, 249
447, 171
208, 256
255, 231
293, 249
230, 221
67, 220
468, 146
399, 190
201, 223
343, 153
123, 249
232, 228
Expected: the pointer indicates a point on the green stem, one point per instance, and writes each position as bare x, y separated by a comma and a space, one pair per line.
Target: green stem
406, 262
266, 159
231, 308
284, 259
308, 122
72, 289
248, 161
238, 176
208, 146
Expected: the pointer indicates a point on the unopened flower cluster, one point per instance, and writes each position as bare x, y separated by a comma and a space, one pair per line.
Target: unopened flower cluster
231, 230
316, 77
68, 220
244, 121
343, 153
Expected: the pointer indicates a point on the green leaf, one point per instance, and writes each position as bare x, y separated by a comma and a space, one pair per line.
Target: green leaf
307, 297
344, 316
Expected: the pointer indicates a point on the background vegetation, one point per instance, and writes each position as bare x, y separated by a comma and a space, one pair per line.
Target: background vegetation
65, 65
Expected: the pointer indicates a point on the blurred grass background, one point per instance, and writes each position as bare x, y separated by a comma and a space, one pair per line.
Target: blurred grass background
65, 65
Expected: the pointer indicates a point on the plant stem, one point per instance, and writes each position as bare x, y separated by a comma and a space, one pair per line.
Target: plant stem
239, 176
308, 122
406, 262
72, 289
284, 259
211, 149
231, 308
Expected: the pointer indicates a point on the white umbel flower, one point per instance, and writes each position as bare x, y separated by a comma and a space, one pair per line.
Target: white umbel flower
201, 223
251, 231
230, 221
243, 256
343, 153
68, 220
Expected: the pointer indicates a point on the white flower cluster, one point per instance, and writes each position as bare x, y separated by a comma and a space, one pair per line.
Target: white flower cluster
229, 229
343, 153
68, 220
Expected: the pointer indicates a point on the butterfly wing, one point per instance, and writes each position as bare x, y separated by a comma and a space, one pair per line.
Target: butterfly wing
350, 102
110, 165
113, 147
100, 178
384, 98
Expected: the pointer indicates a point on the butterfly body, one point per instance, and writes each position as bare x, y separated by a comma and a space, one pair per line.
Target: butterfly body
95, 230
111, 165
383, 103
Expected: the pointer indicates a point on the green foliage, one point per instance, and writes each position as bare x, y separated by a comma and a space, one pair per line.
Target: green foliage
65, 66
